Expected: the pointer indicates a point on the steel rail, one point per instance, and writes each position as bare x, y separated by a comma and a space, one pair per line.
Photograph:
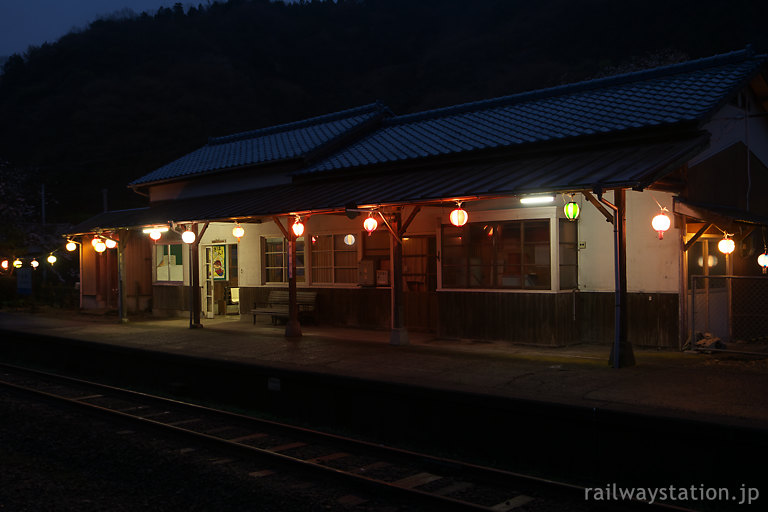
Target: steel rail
546, 489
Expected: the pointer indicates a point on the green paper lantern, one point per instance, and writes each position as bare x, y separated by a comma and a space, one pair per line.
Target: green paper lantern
571, 210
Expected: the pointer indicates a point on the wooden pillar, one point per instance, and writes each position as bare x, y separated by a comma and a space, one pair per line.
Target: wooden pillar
122, 306
194, 281
399, 334
621, 351
293, 327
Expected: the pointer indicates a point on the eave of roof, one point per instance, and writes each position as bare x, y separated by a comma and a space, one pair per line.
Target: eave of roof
627, 166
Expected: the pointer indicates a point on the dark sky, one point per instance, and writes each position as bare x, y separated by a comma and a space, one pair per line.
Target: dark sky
33, 22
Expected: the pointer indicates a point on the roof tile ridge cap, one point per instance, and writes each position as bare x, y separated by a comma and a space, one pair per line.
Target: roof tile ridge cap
270, 130
596, 83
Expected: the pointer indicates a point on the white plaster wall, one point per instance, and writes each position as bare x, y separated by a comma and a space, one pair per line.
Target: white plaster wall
652, 264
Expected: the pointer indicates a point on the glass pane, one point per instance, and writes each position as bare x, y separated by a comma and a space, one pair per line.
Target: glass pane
568, 232
568, 255
274, 260
162, 272
321, 275
568, 277
536, 231
274, 245
537, 277
479, 276
275, 275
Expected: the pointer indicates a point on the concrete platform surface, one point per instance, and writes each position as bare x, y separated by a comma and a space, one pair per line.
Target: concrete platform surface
724, 387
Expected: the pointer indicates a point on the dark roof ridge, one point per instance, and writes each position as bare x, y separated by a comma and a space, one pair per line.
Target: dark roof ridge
670, 69
270, 130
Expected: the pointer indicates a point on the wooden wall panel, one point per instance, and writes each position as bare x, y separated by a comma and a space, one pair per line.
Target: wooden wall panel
88, 281
652, 318
519, 317
138, 270
170, 300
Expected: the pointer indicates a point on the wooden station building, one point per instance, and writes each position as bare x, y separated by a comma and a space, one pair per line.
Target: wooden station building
690, 139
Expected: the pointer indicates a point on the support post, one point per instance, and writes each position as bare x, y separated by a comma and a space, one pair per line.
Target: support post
621, 352
399, 334
122, 306
293, 327
194, 281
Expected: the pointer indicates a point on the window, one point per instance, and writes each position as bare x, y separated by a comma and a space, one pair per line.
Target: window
514, 255
276, 260
169, 263
569, 255
334, 259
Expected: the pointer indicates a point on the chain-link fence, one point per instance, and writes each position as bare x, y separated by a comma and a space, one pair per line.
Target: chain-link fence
731, 308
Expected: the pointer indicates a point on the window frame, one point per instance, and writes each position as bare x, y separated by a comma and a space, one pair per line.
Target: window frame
284, 268
550, 213
334, 267
167, 282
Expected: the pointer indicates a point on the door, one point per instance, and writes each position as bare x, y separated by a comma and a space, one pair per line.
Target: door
208, 288
420, 282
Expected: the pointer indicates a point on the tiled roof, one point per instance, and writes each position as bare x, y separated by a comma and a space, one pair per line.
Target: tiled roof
273, 144
667, 96
634, 165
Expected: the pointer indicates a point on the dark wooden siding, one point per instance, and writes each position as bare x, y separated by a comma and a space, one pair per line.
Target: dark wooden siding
138, 270
652, 318
170, 300
540, 318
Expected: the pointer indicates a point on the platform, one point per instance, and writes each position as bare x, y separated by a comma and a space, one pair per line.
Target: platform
725, 388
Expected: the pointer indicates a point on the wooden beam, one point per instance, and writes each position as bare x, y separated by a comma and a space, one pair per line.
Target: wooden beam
592, 199
695, 237
404, 227
283, 229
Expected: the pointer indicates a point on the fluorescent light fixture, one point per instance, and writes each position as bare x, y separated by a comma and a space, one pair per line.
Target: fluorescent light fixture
161, 229
537, 199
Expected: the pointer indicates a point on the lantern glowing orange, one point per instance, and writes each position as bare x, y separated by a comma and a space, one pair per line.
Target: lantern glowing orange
111, 244
370, 224
238, 232
726, 245
661, 224
71, 246
188, 236
459, 216
4, 264
155, 234
100, 246
298, 227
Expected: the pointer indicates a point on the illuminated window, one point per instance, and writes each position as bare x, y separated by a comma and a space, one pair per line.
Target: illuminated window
169, 266
333, 260
487, 255
275, 259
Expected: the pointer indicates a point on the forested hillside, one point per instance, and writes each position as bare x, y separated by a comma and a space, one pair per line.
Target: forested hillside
132, 92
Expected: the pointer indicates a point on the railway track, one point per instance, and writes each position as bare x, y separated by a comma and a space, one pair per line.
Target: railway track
409, 477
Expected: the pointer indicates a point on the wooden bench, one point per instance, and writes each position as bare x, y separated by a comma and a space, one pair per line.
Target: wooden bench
277, 305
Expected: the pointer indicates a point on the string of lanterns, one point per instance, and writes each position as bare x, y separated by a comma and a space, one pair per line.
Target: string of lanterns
458, 217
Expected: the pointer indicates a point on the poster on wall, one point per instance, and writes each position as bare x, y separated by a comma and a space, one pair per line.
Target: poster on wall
219, 262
